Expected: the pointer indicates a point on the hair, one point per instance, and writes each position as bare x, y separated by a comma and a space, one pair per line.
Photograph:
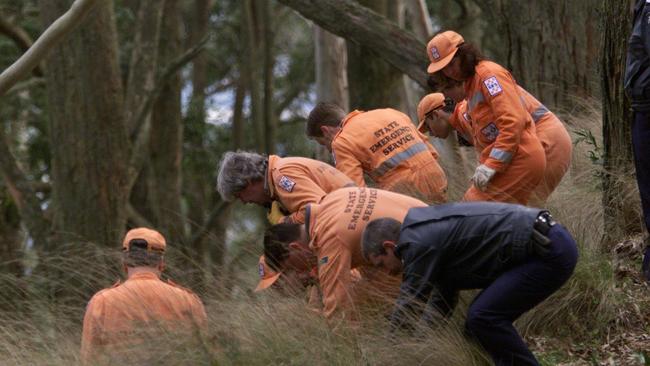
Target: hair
376, 232
276, 243
469, 56
237, 170
139, 256
324, 114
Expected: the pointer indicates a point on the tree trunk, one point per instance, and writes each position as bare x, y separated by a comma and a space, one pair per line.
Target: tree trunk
270, 123
374, 83
90, 148
620, 216
331, 75
250, 24
167, 136
361, 25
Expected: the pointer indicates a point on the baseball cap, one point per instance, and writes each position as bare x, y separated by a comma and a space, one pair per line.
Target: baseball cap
267, 275
429, 103
155, 240
442, 48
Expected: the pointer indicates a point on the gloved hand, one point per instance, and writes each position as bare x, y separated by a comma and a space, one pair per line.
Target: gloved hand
482, 176
275, 215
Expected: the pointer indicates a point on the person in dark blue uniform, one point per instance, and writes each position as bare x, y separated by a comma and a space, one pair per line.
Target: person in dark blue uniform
637, 86
518, 255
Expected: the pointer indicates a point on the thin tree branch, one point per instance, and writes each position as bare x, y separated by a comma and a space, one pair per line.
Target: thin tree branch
143, 124
20, 37
209, 223
50, 38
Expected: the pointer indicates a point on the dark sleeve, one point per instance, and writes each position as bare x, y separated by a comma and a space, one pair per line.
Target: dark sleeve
417, 284
443, 301
644, 28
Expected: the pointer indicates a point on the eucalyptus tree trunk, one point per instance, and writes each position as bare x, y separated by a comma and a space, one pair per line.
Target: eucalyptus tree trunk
374, 83
165, 146
253, 66
267, 36
331, 75
89, 141
361, 25
620, 216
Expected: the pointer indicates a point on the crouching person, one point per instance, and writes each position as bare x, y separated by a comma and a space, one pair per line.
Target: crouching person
518, 255
124, 321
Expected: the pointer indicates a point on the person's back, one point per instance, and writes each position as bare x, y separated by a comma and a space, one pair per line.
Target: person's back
143, 300
125, 321
385, 145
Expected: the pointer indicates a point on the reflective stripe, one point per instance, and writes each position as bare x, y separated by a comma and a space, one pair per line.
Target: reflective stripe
474, 101
391, 163
539, 112
502, 156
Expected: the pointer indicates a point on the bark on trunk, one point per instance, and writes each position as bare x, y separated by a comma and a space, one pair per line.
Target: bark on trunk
167, 135
361, 25
87, 128
331, 75
620, 216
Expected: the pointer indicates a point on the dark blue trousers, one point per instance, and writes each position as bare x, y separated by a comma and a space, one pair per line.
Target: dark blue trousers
641, 148
519, 289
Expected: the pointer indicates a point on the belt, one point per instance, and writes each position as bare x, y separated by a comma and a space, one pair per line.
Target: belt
539, 239
544, 222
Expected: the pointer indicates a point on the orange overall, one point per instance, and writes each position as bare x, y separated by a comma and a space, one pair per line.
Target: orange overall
295, 182
114, 314
335, 227
504, 135
552, 134
556, 142
385, 145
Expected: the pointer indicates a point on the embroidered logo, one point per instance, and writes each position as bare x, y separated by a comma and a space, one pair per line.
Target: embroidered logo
323, 260
261, 270
286, 183
490, 131
493, 86
434, 53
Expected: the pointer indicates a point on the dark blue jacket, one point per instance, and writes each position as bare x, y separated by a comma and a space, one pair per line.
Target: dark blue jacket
458, 246
637, 70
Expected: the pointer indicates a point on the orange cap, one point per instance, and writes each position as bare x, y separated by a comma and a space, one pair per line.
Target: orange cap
154, 239
267, 275
441, 49
429, 103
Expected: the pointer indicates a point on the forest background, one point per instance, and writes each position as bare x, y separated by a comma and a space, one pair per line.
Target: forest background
124, 122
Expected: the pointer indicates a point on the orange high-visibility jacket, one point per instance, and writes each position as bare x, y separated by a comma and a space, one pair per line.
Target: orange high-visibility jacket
296, 181
550, 131
335, 227
555, 140
385, 145
125, 308
504, 133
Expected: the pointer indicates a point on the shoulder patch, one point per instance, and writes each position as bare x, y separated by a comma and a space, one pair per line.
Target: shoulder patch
493, 86
286, 183
490, 131
323, 260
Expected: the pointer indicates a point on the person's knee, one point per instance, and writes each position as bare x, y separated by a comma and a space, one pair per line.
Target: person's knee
477, 322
